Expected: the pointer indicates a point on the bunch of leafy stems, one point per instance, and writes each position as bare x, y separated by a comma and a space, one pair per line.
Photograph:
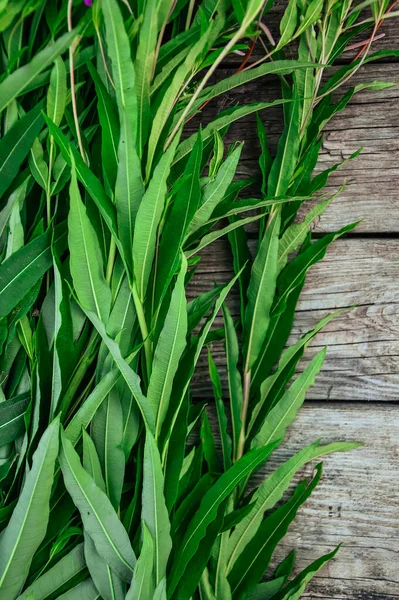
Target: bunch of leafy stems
73, 397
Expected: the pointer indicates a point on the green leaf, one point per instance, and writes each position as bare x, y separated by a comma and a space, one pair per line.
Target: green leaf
177, 222
106, 581
37, 164
261, 291
86, 590
27, 526
129, 188
142, 584
61, 576
209, 508
86, 260
15, 83
272, 388
288, 23
107, 434
284, 164
296, 233
154, 511
295, 588
87, 410
62, 340
296, 270
57, 92
99, 518
218, 233
131, 378
224, 119
173, 91
284, 413
312, 14
25, 267
91, 462
109, 128
252, 564
221, 413
215, 191
12, 413
148, 219
272, 490
144, 66
15, 145
169, 349
233, 375
89, 180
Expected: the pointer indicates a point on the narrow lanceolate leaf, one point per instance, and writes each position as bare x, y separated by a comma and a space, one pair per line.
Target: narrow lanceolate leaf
15, 83
16, 144
209, 507
283, 166
129, 185
86, 260
25, 267
147, 221
272, 490
107, 582
57, 92
215, 190
108, 117
296, 233
221, 413
12, 418
84, 415
63, 338
168, 351
144, 65
131, 378
63, 575
179, 218
174, 89
233, 374
142, 582
261, 291
107, 433
154, 512
283, 414
27, 526
295, 588
223, 120
86, 590
252, 564
99, 518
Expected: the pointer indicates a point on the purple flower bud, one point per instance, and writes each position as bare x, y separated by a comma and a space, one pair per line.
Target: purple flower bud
88, 2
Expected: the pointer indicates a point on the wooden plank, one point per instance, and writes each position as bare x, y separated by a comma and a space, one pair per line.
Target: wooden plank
363, 356
370, 121
389, 29
356, 503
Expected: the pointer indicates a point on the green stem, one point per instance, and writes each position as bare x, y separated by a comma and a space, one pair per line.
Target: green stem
111, 260
143, 328
244, 413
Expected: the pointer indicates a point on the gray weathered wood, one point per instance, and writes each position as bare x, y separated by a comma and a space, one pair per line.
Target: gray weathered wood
272, 20
363, 357
370, 121
357, 502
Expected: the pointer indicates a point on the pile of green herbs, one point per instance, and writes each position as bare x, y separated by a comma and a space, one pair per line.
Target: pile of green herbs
106, 204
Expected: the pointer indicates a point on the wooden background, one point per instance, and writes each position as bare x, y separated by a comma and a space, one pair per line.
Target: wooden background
355, 398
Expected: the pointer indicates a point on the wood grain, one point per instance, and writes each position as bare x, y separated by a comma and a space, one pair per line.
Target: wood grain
357, 502
362, 361
370, 121
389, 29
